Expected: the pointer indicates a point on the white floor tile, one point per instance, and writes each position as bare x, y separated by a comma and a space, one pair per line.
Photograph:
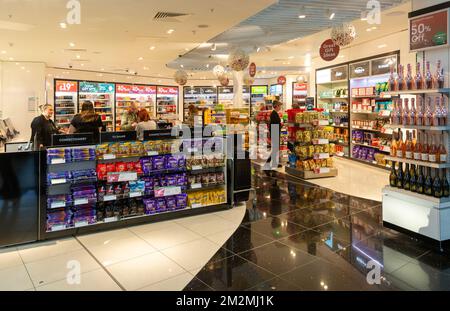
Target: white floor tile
235, 214
60, 267
97, 280
169, 237
9, 258
221, 237
151, 227
193, 254
194, 219
210, 225
117, 250
145, 270
15, 279
42, 250
177, 283
103, 238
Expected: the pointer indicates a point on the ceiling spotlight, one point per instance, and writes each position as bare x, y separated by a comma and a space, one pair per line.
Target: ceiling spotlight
186, 49
82, 65
369, 29
207, 65
3, 52
78, 56
381, 46
332, 15
72, 44
291, 57
258, 49
141, 58
11, 59
214, 47
63, 25
170, 31
182, 66
152, 48
103, 69
302, 16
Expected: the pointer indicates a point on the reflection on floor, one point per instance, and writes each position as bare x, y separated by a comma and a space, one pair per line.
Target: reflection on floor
299, 236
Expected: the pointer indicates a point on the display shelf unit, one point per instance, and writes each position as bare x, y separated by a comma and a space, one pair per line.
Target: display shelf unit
415, 127
420, 163
257, 98
65, 101
167, 102
423, 92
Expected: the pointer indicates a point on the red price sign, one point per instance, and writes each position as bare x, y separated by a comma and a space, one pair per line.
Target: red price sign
66, 86
168, 90
282, 80
429, 31
252, 70
329, 50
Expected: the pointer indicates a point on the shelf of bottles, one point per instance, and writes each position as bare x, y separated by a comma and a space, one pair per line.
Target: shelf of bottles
419, 145
102, 96
65, 102
144, 96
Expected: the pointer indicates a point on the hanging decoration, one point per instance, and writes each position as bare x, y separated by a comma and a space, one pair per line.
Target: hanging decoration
224, 80
181, 77
343, 34
218, 71
238, 60
248, 80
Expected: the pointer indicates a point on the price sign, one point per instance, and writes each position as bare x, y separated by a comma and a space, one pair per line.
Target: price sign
320, 141
59, 181
66, 86
135, 194
110, 219
322, 170
122, 177
167, 191
196, 186
428, 31
196, 205
107, 198
197, 167
109, 156
79, 224
58, 161
58, 204
321, 156
152, 153
58, 227
82, 201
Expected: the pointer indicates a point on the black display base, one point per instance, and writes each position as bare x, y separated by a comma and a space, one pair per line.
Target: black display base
443, 246
135, 221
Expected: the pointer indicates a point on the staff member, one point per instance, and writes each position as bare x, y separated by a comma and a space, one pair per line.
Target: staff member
275, 125
43, 127
129, 118
87, 121
145, 124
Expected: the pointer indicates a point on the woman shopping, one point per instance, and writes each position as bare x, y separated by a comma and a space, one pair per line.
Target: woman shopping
145, 124
87, 122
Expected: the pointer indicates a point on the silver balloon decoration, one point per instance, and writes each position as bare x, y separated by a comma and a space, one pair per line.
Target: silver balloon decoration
181, 77
343, 34
238, 60
218, 71
248, 81
224, 79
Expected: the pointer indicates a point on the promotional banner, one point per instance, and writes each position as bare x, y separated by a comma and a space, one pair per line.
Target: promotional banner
428, 31
66, 86
329, 50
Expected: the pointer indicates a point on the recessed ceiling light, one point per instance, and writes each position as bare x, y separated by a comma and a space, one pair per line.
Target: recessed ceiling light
82, 65
291, 57
23, 68
369, 29
28, 71
78, 56
302, 16
186, 49
17, 64
63, 25
332, 15
374, 27
170, 31
182, 66
145, 68
207, 65
103, 69
141, 58
152, 48
341, 56
159, 81
72, 44
11, 59
3, 52
382, 46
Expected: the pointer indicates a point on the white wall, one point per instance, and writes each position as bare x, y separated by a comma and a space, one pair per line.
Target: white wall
17, 86
420, 4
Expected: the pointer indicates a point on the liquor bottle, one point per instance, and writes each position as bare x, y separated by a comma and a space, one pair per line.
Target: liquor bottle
439, 78
428, 77
437, 185
392, 82
433, 151
419, 78
413, 178
399, 152
408, 147
394, 145
409, 79
395, 114
405, 112
420, 181
441, 150
428, 184
407, 179
445, 185
414, 140
444, 112
425, 148
418, 149
412, 113
393, 176
428, 116
436, 112
401, 78
419, 113
400, 175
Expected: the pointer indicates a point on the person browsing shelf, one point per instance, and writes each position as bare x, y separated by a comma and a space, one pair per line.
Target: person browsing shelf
43, 127
129, 118
144, 124
87, 122
275, 130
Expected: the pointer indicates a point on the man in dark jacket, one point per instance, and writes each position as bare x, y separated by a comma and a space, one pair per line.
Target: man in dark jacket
274, 132
43, 127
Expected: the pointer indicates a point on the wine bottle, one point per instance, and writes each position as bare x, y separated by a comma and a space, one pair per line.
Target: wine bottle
439, 78
412, 113
419, 78
418, 149
425, 148
413, 178
433, 151
441, 150
401, 78
414, 140
428, 117
419, 114
407, 179
393, 152
400, 145
428, 184
428, 77
392, 82
394, 114
444, 112
393, 176
409, 79
408, 146
437, 185
436, 112
420, 181
405, 112
400, 175
445, 185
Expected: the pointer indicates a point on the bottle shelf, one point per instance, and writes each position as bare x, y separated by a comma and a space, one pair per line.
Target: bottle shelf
418, 92
417, 195
420, 163
416, 127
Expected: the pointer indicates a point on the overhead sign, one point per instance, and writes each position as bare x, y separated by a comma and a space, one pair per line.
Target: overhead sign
135, 89
66, 86
339, 73
329, 50
300, 89
252, 70
383, 65
358, 70
93, 87
429, 31
167, 90
281, 80
259, 90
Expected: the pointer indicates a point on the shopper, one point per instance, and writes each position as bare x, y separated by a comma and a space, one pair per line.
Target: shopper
87, 121
275, 125
144, 124
43, 127
129, 118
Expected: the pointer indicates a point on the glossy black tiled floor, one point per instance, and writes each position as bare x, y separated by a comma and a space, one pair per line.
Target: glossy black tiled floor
298, 236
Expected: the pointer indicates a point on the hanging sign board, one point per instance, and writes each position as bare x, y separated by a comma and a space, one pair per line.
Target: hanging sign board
359, 70
429, 31
339, 73
281, 80
329, 50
